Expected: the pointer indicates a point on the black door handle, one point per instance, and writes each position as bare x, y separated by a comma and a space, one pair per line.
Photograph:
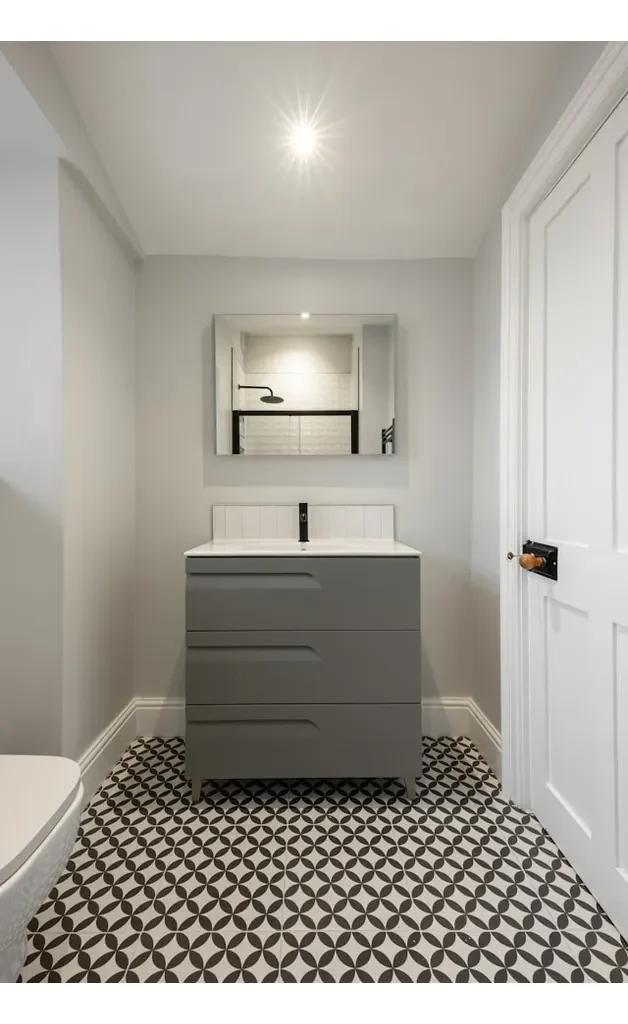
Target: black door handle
541, 559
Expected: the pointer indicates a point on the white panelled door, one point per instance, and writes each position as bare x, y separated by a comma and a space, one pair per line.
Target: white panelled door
577, 494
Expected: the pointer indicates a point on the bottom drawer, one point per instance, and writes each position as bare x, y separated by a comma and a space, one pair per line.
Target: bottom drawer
302, 740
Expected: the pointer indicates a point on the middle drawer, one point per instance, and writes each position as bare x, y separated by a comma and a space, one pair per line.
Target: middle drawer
303, 667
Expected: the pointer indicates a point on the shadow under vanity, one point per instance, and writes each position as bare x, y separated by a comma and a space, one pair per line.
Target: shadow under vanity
303, 660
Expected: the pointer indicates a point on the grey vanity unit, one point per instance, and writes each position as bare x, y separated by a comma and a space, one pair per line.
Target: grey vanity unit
303, 661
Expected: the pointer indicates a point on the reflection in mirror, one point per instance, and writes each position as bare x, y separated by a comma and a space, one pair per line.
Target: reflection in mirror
295, 385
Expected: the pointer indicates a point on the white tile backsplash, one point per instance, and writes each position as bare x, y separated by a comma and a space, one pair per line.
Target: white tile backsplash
319, 521
233, 522
287, 521
250, 522
219, 522
373, 521
280, 522
268, 520
388, 521
338, 520
354, 521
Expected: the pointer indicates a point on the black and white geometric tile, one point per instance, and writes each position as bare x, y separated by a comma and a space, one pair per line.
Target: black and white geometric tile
330, 881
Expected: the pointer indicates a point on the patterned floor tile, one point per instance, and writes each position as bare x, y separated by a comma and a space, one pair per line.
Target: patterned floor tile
430, 956
602, 955
509, 955
348, 904
190, 956
202, 957
304, 880
339, 956
74, 957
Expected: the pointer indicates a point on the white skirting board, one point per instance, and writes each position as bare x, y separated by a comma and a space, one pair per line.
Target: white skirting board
461, 716
100, 757
486, 737
158, 716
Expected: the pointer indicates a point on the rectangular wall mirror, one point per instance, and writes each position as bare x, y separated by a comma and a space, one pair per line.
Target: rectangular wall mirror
305, 384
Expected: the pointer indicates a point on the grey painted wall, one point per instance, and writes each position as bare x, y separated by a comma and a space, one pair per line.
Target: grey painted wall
485, 553
67, 409
179, 477
485, 532
98, 326
31, 540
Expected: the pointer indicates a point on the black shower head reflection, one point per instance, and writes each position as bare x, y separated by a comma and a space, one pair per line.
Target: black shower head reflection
270, 399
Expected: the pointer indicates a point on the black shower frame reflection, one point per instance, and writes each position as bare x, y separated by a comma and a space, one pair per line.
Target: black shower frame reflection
237, 414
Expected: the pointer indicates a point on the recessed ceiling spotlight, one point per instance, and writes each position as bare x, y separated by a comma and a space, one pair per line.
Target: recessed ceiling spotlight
306, 136
303, 139
305, 316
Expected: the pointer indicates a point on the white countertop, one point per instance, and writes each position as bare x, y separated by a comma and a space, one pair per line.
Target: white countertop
320, 548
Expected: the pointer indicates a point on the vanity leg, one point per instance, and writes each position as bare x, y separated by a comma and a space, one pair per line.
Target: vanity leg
410, 782
196, 790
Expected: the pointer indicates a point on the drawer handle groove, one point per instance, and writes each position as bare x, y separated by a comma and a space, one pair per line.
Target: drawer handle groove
255, 581
266, 728
222, 655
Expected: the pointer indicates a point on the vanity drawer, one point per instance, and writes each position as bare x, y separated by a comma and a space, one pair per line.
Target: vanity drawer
303, 741
308, 593
303, 667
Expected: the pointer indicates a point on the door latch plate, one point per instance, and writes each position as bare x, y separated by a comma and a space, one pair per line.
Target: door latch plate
546, 551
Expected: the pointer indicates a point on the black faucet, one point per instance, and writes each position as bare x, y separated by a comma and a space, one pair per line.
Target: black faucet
303, 522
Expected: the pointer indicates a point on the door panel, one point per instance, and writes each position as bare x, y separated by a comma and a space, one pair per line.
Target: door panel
620, 700
577, 498
567, 677
567, 368
620, 405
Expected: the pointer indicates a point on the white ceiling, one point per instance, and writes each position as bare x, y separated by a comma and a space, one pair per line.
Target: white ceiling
422, 141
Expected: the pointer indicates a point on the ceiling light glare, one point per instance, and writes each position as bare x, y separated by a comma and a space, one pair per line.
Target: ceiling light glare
303, 140
305, 316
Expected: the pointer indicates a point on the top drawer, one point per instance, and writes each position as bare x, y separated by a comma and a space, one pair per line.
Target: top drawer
302, 593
